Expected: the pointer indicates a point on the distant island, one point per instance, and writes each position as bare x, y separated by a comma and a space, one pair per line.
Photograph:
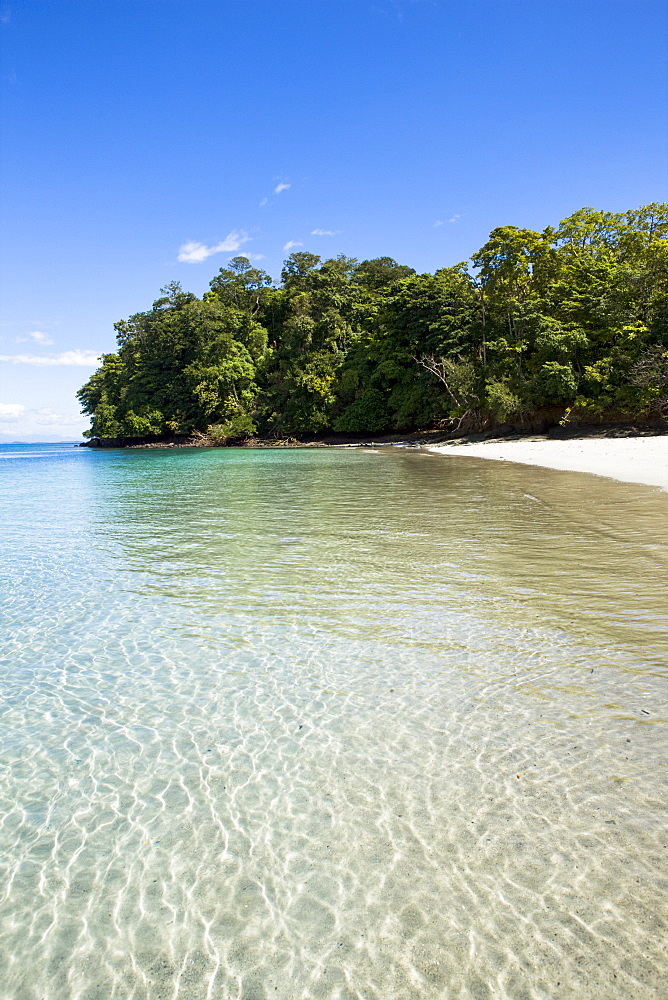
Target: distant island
569, 325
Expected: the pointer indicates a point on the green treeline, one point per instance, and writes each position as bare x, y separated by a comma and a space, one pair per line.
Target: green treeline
573, 319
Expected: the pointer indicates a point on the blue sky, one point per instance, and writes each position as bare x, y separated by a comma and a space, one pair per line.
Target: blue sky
152, 140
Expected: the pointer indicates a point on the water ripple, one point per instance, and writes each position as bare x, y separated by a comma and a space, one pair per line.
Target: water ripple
331, 725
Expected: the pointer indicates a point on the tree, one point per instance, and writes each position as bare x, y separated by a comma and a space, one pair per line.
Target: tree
573, 318
297, 266
242, 286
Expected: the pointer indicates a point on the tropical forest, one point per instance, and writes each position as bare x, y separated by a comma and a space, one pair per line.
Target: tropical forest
567, 325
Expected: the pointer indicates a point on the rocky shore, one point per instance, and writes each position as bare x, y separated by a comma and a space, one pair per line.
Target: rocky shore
504, 432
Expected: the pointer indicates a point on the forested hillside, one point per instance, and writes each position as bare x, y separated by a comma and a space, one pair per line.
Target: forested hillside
571, 322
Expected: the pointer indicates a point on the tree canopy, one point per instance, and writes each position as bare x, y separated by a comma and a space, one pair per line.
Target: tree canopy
572, 319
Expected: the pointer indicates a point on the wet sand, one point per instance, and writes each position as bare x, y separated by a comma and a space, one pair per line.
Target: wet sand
630, 460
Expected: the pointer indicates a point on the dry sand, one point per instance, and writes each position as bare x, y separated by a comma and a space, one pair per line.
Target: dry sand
629, 459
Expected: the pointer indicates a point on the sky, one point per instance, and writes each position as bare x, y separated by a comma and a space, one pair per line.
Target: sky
146, 141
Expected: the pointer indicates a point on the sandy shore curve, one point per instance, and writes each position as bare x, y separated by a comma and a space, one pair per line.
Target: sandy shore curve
628, 459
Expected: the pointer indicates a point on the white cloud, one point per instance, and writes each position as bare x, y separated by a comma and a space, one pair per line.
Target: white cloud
11, 411
281, 187
292, 243
263, 203
232, 241
193, 252
48, 417
46, 423
252, 256
441, 222
77, 359
36, 336
325, 232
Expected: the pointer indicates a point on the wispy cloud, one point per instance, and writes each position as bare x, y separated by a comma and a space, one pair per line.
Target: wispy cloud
11, 411
325, 232
252, 256
193, 252
46, 416
263, 203
290, 244
36, 336
282, 186
441, 222
17, 419
75, 359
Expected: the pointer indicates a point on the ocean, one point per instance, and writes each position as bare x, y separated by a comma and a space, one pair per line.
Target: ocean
330, 723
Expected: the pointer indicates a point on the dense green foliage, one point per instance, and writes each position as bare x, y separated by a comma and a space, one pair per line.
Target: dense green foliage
574, 319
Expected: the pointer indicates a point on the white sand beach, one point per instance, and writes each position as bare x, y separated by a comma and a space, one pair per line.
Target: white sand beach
628, 459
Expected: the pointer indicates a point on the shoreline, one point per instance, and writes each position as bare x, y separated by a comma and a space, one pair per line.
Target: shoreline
641, 459
629, 454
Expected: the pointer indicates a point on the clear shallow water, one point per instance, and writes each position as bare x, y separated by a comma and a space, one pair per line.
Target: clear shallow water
336, 724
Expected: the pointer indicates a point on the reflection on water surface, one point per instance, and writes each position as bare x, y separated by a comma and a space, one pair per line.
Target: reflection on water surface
331, 724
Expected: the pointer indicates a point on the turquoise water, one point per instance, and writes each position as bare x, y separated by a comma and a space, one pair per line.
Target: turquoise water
330, 724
